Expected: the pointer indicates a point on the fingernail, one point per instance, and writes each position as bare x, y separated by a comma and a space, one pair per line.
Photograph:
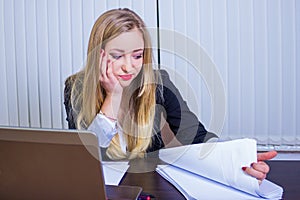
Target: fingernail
244, 168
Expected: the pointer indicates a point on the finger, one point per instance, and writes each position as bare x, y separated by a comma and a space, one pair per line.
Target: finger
259, 182
266, 155
103, 65
109, 71
252, 172
100, 61
261, 166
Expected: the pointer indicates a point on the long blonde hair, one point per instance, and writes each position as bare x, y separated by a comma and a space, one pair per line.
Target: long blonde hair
88, 95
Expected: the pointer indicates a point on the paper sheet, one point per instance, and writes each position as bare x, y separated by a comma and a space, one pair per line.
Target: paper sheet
219, 162
114, 172
193, 186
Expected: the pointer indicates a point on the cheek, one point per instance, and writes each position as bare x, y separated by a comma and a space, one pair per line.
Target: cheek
116, 66
138, 63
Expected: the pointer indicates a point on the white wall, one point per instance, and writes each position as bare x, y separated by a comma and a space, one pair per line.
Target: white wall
253, 44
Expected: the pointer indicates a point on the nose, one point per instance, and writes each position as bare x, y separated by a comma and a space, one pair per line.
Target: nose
124, 68
127, 65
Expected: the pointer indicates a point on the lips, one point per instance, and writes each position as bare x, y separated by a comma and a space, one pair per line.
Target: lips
126, 77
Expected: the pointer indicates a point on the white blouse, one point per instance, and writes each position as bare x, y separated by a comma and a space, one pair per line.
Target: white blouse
106, 129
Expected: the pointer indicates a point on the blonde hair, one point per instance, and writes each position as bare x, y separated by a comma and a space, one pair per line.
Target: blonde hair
88, 95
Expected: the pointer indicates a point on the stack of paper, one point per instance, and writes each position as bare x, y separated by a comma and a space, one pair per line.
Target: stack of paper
213, 171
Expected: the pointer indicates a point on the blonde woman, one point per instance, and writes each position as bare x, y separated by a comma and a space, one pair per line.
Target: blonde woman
119, 96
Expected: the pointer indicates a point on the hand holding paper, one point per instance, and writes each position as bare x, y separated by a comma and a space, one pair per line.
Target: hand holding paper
260, 169
221, 163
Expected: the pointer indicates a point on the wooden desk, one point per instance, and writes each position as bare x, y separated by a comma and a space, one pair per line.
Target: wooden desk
287, 175
283, 173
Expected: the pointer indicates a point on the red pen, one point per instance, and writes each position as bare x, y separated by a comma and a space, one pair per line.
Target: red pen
146, 196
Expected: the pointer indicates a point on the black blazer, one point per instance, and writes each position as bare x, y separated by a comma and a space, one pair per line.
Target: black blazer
183, 123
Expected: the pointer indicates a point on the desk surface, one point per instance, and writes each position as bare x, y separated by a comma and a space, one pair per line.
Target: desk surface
284, 173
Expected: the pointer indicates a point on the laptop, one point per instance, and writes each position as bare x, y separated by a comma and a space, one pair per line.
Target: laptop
54, 164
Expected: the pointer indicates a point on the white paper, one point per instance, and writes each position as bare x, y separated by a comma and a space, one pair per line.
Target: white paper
193, 186
220, 162
114, 172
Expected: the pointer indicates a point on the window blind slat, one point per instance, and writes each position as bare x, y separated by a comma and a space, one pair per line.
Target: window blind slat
54, 63
21, 67
32, 64
10, 57
43, 63
4, 120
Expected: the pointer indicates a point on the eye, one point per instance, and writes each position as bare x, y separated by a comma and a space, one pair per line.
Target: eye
137, 56
116, 56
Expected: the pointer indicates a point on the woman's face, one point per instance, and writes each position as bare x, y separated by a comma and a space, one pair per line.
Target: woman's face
126, 54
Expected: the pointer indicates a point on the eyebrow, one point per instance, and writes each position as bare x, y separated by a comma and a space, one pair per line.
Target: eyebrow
122, 51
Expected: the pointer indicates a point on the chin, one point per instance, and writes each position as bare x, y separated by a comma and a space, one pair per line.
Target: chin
125, 83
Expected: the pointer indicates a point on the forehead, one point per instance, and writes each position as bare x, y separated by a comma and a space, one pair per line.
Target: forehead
127, 41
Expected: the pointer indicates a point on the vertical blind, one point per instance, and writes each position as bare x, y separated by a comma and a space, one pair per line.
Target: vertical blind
42, 43
253, 45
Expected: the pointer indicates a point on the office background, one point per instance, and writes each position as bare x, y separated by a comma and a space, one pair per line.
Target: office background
253, 44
